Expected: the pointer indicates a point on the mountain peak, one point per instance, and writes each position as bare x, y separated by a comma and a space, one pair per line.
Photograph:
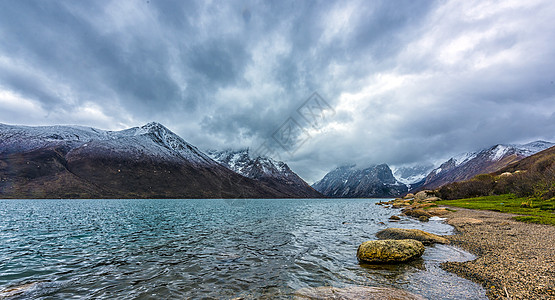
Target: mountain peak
154, 127
350, 181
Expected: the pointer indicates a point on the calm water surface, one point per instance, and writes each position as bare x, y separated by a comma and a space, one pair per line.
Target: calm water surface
152, 249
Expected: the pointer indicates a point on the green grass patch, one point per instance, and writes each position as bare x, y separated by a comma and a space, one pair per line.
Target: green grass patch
532, 210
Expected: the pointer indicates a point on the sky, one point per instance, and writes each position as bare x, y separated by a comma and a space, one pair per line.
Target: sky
399, 82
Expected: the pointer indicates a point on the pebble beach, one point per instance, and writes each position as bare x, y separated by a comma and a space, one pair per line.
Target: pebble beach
516, 260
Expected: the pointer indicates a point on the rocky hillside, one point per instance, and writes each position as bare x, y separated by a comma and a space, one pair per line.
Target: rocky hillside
275, 174
352, 182
140, 162
533, 176
468, 165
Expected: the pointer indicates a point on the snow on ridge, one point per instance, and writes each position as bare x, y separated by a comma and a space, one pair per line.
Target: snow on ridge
241, 162
463, 158
411, 174
498, 152
152, 138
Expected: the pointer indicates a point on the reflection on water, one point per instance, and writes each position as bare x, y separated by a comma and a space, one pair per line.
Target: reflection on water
207, 248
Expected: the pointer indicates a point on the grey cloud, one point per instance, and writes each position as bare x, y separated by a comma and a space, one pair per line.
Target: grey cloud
230, 73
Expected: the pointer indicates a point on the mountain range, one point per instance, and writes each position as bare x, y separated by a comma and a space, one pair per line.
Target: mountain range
353, 182
381, 181
467, 165
152, 162
141, 162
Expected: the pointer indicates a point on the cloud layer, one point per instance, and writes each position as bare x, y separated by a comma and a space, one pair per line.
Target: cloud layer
410, 81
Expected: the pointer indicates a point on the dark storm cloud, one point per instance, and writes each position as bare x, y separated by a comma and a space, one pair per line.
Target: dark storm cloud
410, 81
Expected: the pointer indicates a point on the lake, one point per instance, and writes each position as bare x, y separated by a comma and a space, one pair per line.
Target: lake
175, 249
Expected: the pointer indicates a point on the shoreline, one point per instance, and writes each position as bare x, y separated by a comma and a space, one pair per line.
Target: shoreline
515, 260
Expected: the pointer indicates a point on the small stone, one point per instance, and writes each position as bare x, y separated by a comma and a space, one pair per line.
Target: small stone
423, 219
394, 218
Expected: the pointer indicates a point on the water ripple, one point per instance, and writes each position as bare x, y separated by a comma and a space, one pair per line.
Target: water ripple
174, 249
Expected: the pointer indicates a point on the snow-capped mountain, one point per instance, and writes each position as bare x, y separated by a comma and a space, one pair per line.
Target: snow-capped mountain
84, 162
353, 182
467, 165
152, 139
274, 173
411, 175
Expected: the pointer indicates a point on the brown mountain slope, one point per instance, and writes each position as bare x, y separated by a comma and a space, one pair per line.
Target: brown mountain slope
466, 166
140, 162
528, 162
533, 176
51, 173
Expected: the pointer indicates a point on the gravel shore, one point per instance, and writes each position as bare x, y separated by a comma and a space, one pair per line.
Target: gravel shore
515, 260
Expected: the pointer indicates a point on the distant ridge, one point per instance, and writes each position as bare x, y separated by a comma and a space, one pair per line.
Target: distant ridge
467, 165
352, 182
140, 162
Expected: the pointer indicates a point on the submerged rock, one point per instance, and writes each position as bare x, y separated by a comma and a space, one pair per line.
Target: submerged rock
389, 251
416, 234
18, 290
394, 218
354, 292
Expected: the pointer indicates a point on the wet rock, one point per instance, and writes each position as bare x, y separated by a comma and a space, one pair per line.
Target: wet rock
389, 251
423, 219
416, 213
422, 236
354, 292
400, 204
438, 211
424, 205
394, 218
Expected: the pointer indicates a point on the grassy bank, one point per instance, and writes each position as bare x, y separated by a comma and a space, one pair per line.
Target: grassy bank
531, 210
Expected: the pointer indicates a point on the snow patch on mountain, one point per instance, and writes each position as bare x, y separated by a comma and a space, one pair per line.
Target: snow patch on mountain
241, 162
463, 158
151, 139
411, 174
498, 152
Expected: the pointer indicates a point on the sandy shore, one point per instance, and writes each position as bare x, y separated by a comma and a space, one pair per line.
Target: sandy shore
515, 260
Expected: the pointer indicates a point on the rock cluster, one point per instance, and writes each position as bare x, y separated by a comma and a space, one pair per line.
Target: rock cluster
421, 206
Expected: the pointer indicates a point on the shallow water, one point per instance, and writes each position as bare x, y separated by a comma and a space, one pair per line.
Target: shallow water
150, 249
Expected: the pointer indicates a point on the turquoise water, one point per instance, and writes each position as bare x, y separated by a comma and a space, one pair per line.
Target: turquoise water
153, 249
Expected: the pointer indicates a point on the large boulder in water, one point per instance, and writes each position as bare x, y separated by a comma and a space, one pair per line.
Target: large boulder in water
354, 292
389, 251
416, 234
